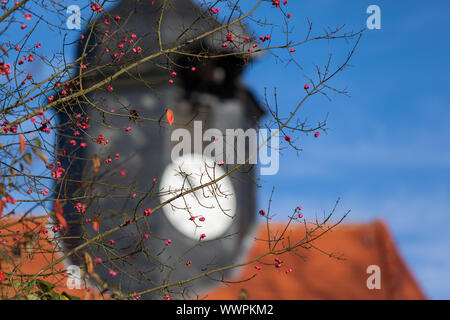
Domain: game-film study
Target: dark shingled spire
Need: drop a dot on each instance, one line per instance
(182, 21)
(213, 94)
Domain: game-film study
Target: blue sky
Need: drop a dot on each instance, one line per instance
(386, 153)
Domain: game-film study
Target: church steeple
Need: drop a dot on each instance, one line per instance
(137, 28)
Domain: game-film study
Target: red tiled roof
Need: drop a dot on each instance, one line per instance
(317, 276)
(314, 274)
(14, 236)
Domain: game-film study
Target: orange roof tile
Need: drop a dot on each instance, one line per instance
(14, 258)
(314, 274)
(317, 276)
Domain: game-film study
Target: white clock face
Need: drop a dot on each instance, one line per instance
(208, 211)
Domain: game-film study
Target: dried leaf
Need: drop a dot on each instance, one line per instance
(96, 162)
(58, 209)
(27, 158)
(95, 224)
(2, 190)
(22, 143)
(243, 295)
(41, 155)
(169, 116)
(30, 246)
(12, 169)
(89, 264)
(37, 142)
(4, 50)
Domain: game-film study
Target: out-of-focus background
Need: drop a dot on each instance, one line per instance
(386, 153)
